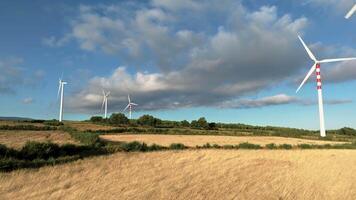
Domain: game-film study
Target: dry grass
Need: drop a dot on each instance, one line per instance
(83, 126)
(199, 174)
(16, 139)
(14, 123)
(193, 140)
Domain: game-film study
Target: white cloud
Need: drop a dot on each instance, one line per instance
(247, 52)
(27, 100)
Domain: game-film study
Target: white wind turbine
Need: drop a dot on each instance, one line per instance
(349, 14)
(61, 90)
(105, 103)
(129, 106)
(316, 67)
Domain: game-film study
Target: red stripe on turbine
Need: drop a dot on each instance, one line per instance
(318, 80)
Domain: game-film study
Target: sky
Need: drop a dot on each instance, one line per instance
(233, 61)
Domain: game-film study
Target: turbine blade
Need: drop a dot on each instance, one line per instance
(59, 88)
(336, 60)
(107, 94)
(351, 12)
(104, 92)
(134, 104)
(128, 97)
(128, 105)
(307, 77)
(311, 55)
(102, 105)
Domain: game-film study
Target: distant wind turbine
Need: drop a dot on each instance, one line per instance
(349, 14)
(129, 106)
(60, 91)
(316, 67)
(105, 103)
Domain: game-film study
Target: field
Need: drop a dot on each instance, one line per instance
(193, 140)
(83, 126)
(16, 139)
(199, 174)
(91, 172)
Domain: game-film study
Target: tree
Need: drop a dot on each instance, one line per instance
(202, 123)
(118, 119)
(148, 120)
(96, 119)
(185, 123)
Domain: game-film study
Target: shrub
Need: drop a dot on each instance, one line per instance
(37, 150)
(86, 138)
(305, 146)
(285, 146)
(228, 146)
(134, 146)
(155, 147)
(96, 119)
(118, 119)
(271, 146)
(27, 127)
(185, 123)
(148, 120)
(177, 146)
(6, 152)
(53, 122)
(247, 145)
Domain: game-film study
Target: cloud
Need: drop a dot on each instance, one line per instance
(280, 99)
(241, 53)
(27, 100)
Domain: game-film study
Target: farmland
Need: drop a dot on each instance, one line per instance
(194, 140)
(199, 174)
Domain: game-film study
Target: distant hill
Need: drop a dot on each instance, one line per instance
(15, 118)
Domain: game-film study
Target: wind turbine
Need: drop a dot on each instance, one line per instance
(129, 106)
(61, 90)
(349, 14)
(105, 103)
(316, 67)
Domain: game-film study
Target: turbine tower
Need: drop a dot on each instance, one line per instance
(316, 67)
(61, 91)
(349, 14)
(105, 103)
(129, 106)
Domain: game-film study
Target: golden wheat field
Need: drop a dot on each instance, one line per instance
(17, 138)
(83, 126)
(192, 174)
(193, 140)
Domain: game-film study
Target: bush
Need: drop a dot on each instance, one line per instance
(177, 146)
(37, 150)
(156, 147)
(27, 127)
(247, 145)
(271, 146)
(148, 120)
(118, 119)
(185, 123)
(6, 152)
(228, 146)
(134, 146)
(201, 123)
(305, 146)
(285, 146)
(86, 138)
(96, 119)
(53, 122)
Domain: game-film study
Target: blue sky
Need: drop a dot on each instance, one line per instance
(230, 61)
